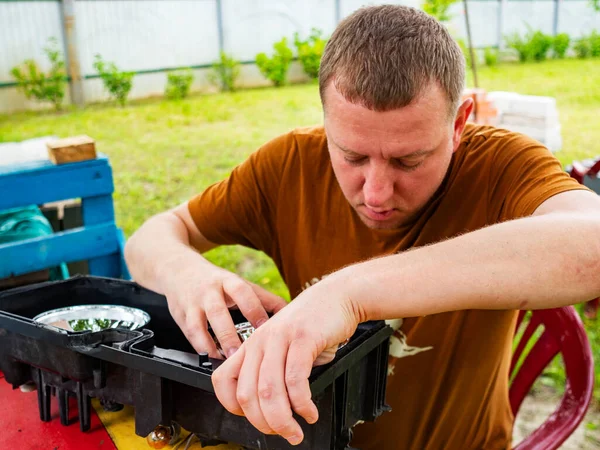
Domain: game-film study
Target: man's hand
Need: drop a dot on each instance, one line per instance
(197, 291)
(199, 296)
(267, 379)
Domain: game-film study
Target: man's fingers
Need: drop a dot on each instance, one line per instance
(271, 302)
(221, 322)
(298, 366)
(194, 327)
(272, 393)
(247, 394)
(225, 382)
(247, 301)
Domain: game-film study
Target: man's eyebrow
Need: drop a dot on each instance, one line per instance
(414, 154)
(342, 148)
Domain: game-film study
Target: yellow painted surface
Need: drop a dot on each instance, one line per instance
(121, 427)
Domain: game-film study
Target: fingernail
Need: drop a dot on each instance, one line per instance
(295, 439)
(231, 351)
(260, 322)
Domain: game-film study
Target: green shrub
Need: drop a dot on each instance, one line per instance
(225, 72)
(117, 83)
(533, 46)
(43, 86)
(179, 83)
(276, 67)
(490, 56)
(516, 42)
(310, 51)
(594, 40)
(582, 47)
(438, 9)
(560, 45)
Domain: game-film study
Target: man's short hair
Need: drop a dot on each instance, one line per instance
(383, 57)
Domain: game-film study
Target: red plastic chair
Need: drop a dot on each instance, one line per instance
(563, 333)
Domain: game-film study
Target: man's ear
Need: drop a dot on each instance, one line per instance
(462, 115)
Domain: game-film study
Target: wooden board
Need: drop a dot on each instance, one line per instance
(71, 149)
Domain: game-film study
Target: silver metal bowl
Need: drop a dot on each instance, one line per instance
(94, 318)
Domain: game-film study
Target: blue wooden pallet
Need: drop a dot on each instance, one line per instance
(99, 240)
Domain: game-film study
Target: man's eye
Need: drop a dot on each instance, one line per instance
(407, 165)
(355, 161)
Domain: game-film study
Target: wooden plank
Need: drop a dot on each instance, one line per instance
(45, 164)
(49, 183)
(97, 209)
(71, 149)
(30, 255)
(106, 266)
(22, 280)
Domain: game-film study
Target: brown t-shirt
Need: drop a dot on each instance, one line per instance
(448, 373)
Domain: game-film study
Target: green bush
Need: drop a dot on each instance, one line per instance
(276, 67)
(533, 46)
(225, 72)
(438, 9)
(310, 51)
(594, 40)
(560, 45)
(43, 86)
(117, 83)
(179, 83)
(540, 44)
(490, 56)
(582, 47)
(516, 42)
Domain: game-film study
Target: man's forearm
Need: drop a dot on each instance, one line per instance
(161, 245)
(537, 262)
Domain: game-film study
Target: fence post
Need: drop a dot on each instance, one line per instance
(72, 57)
(501, 13)
(220, 32)
(555, 22)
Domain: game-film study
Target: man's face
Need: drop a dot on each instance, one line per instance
(389, 164)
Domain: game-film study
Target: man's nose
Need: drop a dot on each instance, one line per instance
(379, 186)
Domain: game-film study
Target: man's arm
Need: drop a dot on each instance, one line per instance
(165, 255)
(548, 260)
(163, 244)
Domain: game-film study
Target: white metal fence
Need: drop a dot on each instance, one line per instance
(151, 36)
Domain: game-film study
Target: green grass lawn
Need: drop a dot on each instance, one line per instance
(164, 152)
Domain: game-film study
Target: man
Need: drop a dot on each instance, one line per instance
(403, 212)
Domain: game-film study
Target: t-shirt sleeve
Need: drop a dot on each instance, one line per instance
(523, 174)
(241, 208)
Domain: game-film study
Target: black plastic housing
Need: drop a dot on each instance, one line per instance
(157, 372)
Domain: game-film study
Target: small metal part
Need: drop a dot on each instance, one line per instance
(207, 365)
(245, 330)
(164, 435)
(160, 437)
(202, 358)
